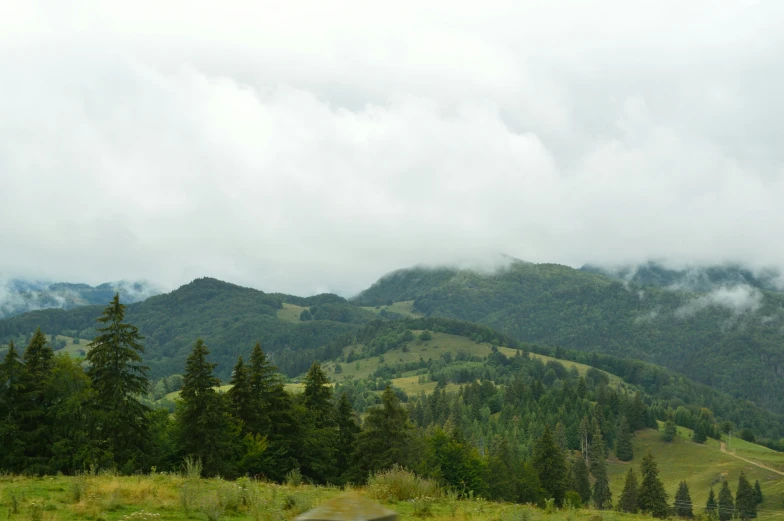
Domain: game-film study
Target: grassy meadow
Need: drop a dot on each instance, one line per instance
(175, 497)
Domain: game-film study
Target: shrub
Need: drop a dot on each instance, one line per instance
(399, 484)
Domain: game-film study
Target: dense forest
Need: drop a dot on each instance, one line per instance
(534, 432)
(730, 339)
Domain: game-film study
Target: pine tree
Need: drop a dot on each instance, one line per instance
(670, 431)
(317, 396)
(559, 436)
(623, 441)
(244, 407)
(726, 504)
(699, 435)
(745, 498)
(683, 506)
(348, 429)
(652, 497)
(384, 439)
(580, 481)
(118, 377)
(629, 497)
(711, 506)
(758, 492)
(205, 428)
(602, 497)
(263, 378)
(36, 434)
(12, 373)
(550, 464)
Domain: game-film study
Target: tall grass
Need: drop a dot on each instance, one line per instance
(399, 484)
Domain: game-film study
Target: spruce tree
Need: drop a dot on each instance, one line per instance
(385, 436)
(669, 430)
(745, 498)
(317, 396)
(758, 492)
(348, 429)
(263, 378)
(623, 441)
(36, 434)
(12, 373)
(118, 378)
(726, 505)
(711, 506)
(699, 435)
(550, 464)
(652, 497)
(683, 506)
(205, 429)
(628, 501)
(580, 481)
(602, 497)
(244, 407)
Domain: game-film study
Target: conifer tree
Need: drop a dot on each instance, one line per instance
(118, 378)
(623, 441)
(652, 497)
(669, 430)
(348, 429)
(36, 434)
(699, 435)
(580, 481)
(745, 498)
(205, 428)
(758, 492)
(726, 505)
(244, 407)
(683, 506)
(385, 436)
(559, 436)
(628, 501)
(711, 506)
(602, 497)
(317, 396)
(550, 464)
(11, 386)
(263, 379)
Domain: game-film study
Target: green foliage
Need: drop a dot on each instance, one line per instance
(683, 506)
(579, 480)
(652, 498)
(629, 500)
(726, 505)
(711, 506)
(384, 439)
(758, 492)
(623, 441)
(745, 499)
(399, 484)
(118, 377)
(601, 495)
(550, 465)
(669, 432)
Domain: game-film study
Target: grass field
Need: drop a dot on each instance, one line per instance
(405, 308)
(290, 312)
(431, 350)
(701, 466)
(173, 497)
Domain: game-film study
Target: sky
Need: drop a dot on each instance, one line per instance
(314, 146)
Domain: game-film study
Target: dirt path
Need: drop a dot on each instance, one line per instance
(723, 448)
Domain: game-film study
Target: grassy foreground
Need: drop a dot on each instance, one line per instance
(172, 497)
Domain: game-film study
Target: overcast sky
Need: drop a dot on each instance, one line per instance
(311, 146)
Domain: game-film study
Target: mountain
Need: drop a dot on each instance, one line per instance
(696, 279)
(730, 337)
(230, 318)
(19, 296)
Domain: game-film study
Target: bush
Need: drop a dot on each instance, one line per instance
(572, 499)
(399, 484)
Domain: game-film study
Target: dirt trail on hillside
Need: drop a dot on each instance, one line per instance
(723, 448)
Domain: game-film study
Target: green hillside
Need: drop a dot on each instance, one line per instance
(230, 318)
(731, 339)
(703, 467)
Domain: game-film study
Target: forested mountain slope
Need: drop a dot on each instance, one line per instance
(230, 318)
(19, 296)
(730, 338)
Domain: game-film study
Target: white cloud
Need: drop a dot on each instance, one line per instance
(306, 147)
(737, 299)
